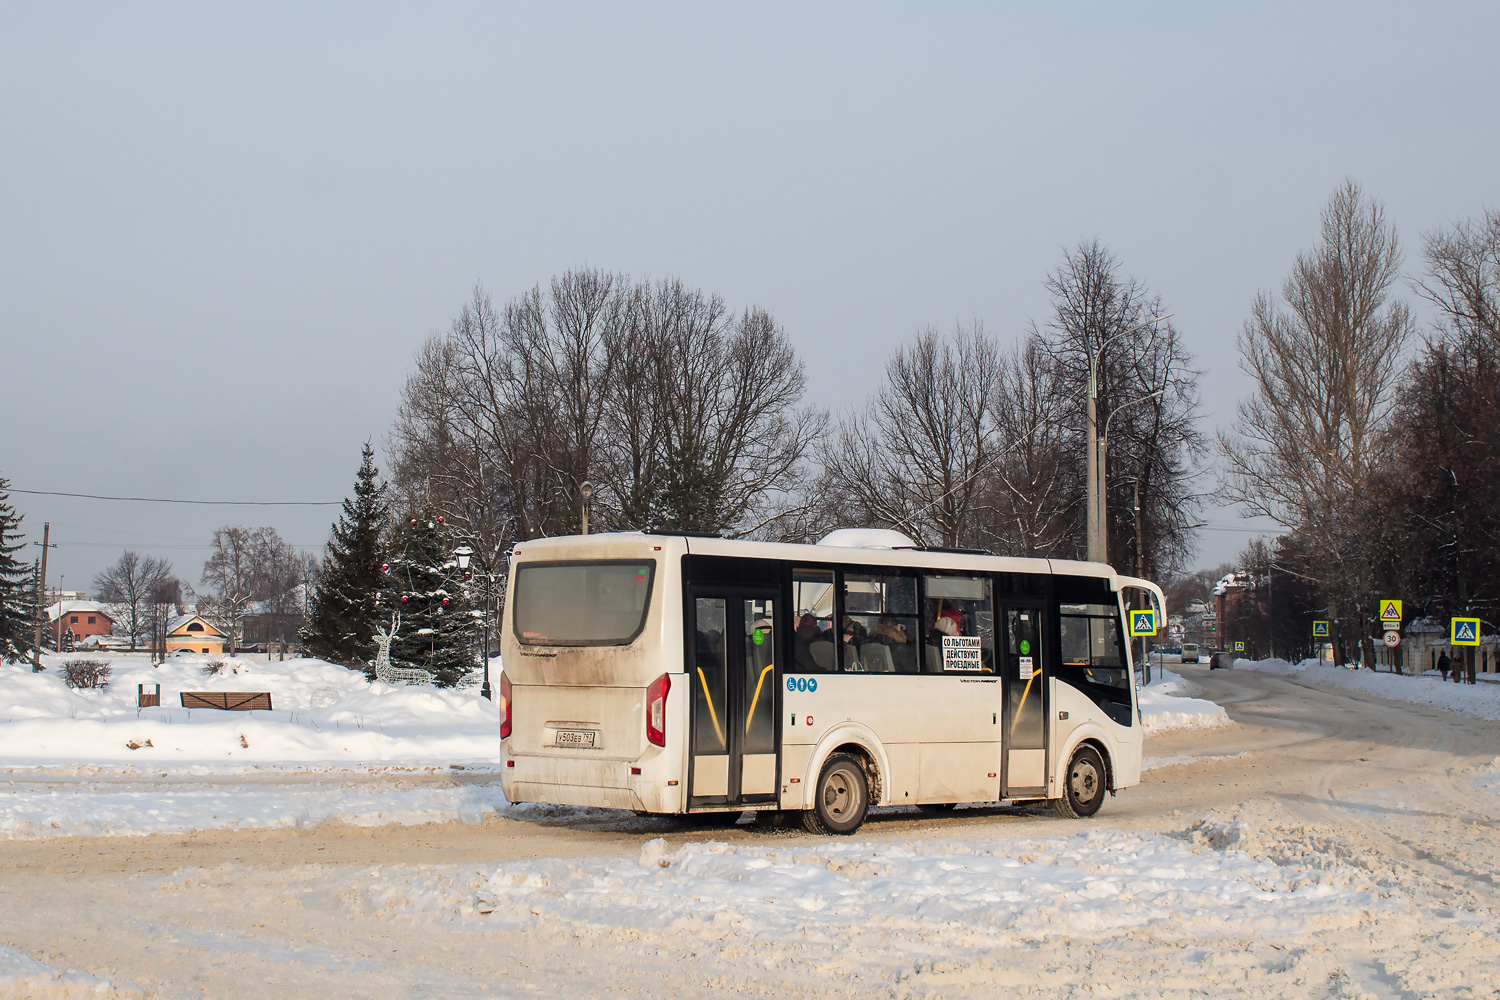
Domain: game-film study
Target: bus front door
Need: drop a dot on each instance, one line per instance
(1024, 765)
(732, 673)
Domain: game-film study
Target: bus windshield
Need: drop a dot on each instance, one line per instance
(581, 603)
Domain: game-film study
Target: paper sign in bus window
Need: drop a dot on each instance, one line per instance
(1024, 670)
(961, 652)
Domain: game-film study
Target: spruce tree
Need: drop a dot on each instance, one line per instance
(342, 616)
(424, 585)
(17, 582)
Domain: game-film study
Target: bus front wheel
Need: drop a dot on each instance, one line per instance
(1083, 785)
(841, 799)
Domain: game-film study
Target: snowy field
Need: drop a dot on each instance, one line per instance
(1480, 701)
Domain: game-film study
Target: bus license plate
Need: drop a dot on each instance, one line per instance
(575, 738)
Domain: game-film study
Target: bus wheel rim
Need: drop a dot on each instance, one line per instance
(838, 793)
(1085, 780)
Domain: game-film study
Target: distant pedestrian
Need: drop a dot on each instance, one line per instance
(1443, 665)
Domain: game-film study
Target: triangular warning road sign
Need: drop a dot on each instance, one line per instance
(1464, 631)
(1390, 611)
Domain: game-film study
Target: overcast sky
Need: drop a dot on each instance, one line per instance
(223, 232)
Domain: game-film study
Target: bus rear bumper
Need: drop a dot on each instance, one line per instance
(592, 783)
(575, 795)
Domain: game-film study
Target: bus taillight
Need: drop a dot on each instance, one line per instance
(504, 706)
(656, 710)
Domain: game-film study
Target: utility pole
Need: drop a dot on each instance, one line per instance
(41, 595)
(1098, 456)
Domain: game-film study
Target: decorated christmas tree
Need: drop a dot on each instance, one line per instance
(425, 587)
(342, 616)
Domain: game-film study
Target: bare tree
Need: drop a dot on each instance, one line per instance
(1324, 361)
(917, 457)
(680, 416)
(234, 573)
(1147, 404)
(129, 585)
(158, 610)
(1027, 505)
(1436, 500)
(1463, 267)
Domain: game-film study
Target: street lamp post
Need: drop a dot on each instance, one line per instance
(464, 554)
(1097, 445)
(1099, 495)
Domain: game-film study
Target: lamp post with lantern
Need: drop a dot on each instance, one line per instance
(464, 556)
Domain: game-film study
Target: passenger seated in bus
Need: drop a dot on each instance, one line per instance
(813, 643)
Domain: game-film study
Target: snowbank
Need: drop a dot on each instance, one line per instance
(1165, 705)
(1481, 701)
(322, 713)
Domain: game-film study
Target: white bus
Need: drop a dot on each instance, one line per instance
(665, 673)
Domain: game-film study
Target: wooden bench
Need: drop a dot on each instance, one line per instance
(228, 701)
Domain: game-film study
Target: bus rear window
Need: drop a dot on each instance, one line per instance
(581, 603)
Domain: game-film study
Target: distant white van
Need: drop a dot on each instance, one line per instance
(1189, 652)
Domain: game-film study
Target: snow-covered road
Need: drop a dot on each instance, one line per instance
(1332, 844)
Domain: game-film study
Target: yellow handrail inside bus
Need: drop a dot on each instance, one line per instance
(1017, 719)
(711, 713)
(751, 714)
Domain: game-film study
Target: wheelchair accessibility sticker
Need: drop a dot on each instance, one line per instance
(801, 683)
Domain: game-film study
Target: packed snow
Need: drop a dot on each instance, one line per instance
(21, 976)
(1480, 701)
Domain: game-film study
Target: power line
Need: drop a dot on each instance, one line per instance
(205, 503)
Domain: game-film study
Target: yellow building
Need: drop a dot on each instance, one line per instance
(192, 634)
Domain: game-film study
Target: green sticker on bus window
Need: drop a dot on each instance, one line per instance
(1025, 647)
(758, 636)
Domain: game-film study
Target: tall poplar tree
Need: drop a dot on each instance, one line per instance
(342, 616)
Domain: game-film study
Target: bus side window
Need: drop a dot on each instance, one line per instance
(879, 625)
(812, 621)
(958, 625)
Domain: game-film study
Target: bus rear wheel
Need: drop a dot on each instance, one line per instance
(1083, 785)
(841, 799)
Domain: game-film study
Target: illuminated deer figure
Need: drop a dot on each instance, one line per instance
(384, 671)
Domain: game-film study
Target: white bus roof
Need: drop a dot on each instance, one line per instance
(837, 554)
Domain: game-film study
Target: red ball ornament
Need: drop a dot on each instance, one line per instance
(440, 520)
(385, 567)
(445, 602)
(404, 600)
(413, 522)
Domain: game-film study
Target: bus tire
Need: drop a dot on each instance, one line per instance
(841, 799)
(1083, 785)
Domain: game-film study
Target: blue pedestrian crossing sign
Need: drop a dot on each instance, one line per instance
(1320, 630)
(1239, 647)
(1464, 632)
(1142, 623)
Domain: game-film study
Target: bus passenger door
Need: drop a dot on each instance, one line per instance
(1024, 681)
(732, 674)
